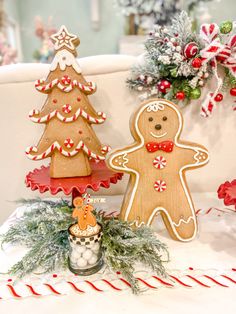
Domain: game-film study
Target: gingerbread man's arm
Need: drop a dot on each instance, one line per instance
(194, 154)
(122, 159)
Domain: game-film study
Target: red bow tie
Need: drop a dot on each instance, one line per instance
(166, 146)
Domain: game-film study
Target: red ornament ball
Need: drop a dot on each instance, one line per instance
(190, 50)
(180, 95)
(219, 97)
(196, 63)
(233, 91)
(163, 85)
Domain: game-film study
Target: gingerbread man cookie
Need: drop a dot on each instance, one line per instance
(83, 214)
(157, 162)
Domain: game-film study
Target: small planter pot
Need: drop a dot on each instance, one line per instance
(85, 256)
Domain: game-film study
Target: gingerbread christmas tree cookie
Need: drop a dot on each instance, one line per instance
(68, 139)
(157, 163)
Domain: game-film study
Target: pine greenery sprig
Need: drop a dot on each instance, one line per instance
(43, 229)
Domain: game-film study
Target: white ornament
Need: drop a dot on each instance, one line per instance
(96, 247)
(140, 88)
(142, 77)
(93, 259)
(81, 262)
(206, 75)
(87, 254)
(80, 248)
(201, 83)
(65, 58)
(74, 256)
(149, 79)
(172, 40)
(178, 48)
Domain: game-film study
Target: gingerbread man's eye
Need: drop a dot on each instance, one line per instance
(164, 118)
(150, 119)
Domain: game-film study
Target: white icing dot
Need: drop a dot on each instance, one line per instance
(116, 160)
(87, 254)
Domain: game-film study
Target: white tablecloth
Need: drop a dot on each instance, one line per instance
(212, 252)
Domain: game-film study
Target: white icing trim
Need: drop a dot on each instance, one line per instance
(157, 136)
(65, 58)
(163, 102)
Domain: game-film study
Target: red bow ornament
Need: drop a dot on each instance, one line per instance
(215, 51)
(166, 146)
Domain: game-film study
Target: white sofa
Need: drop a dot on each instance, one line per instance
(18, 97)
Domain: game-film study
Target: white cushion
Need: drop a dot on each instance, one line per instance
(18, 97)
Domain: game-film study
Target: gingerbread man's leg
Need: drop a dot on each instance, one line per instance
(179, 215)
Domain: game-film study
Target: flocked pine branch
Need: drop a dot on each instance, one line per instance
(43, 229)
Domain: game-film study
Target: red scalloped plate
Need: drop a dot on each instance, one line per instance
(39, 179)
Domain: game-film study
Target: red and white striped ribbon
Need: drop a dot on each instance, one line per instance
(215, 52)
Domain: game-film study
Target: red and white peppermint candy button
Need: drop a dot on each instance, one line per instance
(160, 186)
(159, 162)
(66, 108)
(66, 80)
(69, 143)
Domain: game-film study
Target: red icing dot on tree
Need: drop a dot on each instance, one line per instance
(54, 275)
(78, 99)
(54, 101)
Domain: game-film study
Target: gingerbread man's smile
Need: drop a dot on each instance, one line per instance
(158, 127)
(158, 136)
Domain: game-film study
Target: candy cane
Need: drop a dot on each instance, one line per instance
(57, 146)
(79, 112)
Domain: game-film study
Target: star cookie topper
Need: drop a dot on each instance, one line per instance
(63, 39)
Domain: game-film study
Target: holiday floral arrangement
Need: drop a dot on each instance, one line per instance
(8, 55)
(178, 63)
(43, 228)
(44, 31)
